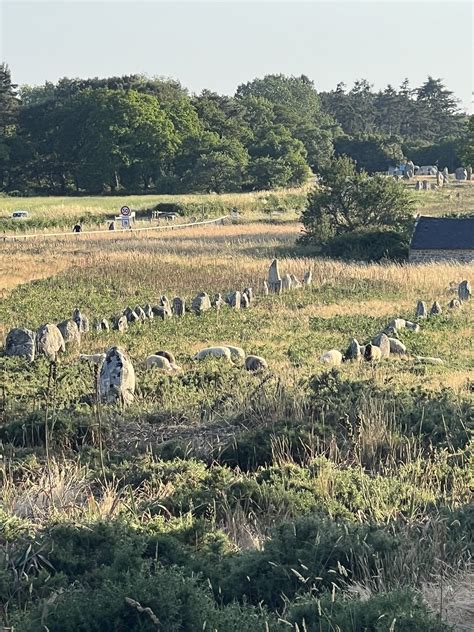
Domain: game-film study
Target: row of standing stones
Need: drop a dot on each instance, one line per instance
(387, 342)
(117, 375)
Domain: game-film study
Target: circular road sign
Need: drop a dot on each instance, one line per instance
(125, 211)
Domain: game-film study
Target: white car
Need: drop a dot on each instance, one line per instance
(20, 215)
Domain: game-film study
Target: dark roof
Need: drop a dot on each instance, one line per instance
(443, 233)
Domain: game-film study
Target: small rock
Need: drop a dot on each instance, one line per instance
(148, 311)
(244, 301)
(120, 323)
(81, 321)
(131, 315)
(397, 347)
(215, 352)
(372, 353)
(308, 278)
(218, 301)
(333, 356)
(353, 351)
(234, 299)
(286, 282)
(140, 312)
(265, 288)
(255, 363)
(159, 311)
(464, 291)
(428, 360)
(454, 304)
(436, 309)
(248, 293)
(178, 306)
(412, 326)
(201, 303)
(397, 323)
(382, 341)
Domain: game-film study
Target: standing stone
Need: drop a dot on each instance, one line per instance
(436, 309)
(81, 321)
(426, 185)
(446, 175)
(308, 278)
(397, 324)
(178, 307)
(295, 283)
(234, 299)
(49, 341)
(217, 301)
(104, 325)
(286, 282)
(265, 288)
(70, 332)
(21, 343)
(164, 302)
(464, 291)
(120, 323)
(421, 310)
(131, 315)
(274, 278)
(439, 178)
(201, 303)
(248, 293)
(382, 341)
(244, 301)
(469, 173)
(412, 326)
(148, 311)
(397, 347)
(161, 312)
(409, 169)
(460, 173)
(140, 313)
(418, 185)
(454, 303)
(117, 378)
(353, 351)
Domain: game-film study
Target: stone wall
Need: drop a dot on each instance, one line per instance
(424, 256)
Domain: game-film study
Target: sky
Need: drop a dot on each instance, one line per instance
(219, 45)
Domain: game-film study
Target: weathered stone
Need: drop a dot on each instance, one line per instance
(131, 315)
(436, 309)
(426, 185)
(217, 301)
(234, 299)
(286, 282)
(397, 347)
(274, 278)
(70, 332)
(244, 301)
(49, 341)
(255, 363)
(237, 353)
(295, 283)
(201, 303)
(469, 173)
(412, 326)
(464, 291)
(353, 351)
(397, 324)
(439, 178)
(428, 360)
(148, 311)
(178, 307)
(418, 185)
(421, 310)
(104, 325)
(21, 343)
(117, 378)
(161, 312)
(460, 173)
(333, 356)
(120, 323)
(372, 353)
(446, 175)
(454, 303)
(139, 311)
(249, 293)
(81, 321)
(383, 343)
(165, 302)
(308, 278)
(214, 352)
(265, 288)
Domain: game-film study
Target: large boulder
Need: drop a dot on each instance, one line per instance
(70, 332)
(21, 343)
(354, 351)
(81, 321)
(460, 173)
(117, 378)
(214, 352)
(397, 347)
(49, 341)
(201, 303)
(333, 356)
(159, 311)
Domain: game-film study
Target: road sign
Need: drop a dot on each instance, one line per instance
(125, 222)
(125, 211)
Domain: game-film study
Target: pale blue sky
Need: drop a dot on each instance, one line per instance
(218, 45)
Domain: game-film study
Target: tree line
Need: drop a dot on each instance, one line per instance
(138, 134)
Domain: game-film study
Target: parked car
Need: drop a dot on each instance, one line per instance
(20, 215)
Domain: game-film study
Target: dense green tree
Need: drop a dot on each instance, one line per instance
(347, 201)
(9, 106)
(466, 143)
(371, 153)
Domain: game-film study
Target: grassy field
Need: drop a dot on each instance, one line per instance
(303, 498)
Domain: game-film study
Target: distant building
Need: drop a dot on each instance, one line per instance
(443, 239)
